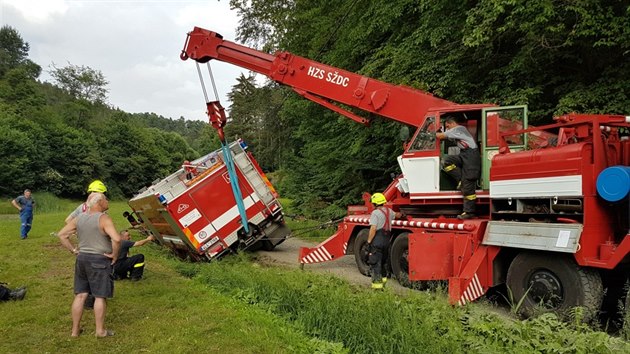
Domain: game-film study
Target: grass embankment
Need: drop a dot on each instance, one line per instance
(240, 306)
(163, 313)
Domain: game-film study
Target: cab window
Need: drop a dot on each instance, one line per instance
(425, 137)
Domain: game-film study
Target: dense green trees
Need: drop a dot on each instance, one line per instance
(58, 138)
(557, 57)
(81, 82)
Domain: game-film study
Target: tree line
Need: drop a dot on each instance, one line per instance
(555, 56)
(57, 137)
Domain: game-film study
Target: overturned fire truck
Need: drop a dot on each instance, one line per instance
(552, 203)
(196, 213)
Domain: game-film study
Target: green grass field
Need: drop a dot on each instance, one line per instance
(164, 313)
(239, 305)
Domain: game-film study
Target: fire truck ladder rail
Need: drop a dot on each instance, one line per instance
(236, 190)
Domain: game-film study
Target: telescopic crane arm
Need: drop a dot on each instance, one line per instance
(318, 82)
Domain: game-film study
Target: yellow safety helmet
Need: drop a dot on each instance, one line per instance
(378, 199)
(97, 186)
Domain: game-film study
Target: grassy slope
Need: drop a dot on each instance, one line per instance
(163, 313)
(240, 306)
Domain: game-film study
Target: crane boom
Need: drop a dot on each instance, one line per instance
(323, 84)
(552, 202)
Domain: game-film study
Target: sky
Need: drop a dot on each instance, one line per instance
(134, 43)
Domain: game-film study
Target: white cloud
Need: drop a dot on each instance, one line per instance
(38, 10)
(135, 44)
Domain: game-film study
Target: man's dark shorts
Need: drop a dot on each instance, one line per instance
(93, 274)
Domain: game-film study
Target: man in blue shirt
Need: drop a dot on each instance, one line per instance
(25, 204)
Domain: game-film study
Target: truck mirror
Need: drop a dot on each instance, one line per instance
(404, 133)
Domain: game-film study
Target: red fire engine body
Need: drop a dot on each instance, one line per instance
(552, 201)
(194, 213)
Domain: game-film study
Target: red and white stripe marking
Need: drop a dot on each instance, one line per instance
(320, 254)
(406, 223)
(472, 292)
(317, 255)
(217, 109)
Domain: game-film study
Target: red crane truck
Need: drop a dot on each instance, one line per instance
(194, 212)
(552, 201)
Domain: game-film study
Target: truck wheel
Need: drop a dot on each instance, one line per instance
(361, 252)
(398, 258)
(542, 283)
(267, 245)
(181, 254)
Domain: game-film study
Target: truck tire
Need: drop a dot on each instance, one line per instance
(267, 245)
(545, 282)
(398, 258)
(361, 252)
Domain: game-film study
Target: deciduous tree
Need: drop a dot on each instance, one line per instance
(82, 82)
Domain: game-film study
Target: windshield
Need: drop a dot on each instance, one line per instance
(425, 138)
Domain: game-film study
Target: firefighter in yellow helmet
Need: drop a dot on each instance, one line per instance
(379, 239)
(96, 186)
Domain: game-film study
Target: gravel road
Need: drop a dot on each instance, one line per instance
(286, 254)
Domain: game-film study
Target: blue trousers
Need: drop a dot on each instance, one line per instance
(26, 217)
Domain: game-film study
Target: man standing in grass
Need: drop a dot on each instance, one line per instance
(95, 187)
(25, 204)
(99, 246)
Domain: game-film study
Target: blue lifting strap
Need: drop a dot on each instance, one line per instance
(236, 190)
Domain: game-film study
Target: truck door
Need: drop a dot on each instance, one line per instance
(495, 121)
(420, 163)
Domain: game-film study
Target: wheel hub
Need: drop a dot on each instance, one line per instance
(545, 288)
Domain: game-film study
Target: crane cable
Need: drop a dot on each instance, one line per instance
(227, 154)
(226, 151)
(236, 189)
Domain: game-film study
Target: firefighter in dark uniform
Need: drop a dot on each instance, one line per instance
(379, 238)
(465, 168)
(130, 267)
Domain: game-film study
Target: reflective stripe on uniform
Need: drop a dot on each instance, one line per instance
(449, 168)
(471, 197)
(138, 265)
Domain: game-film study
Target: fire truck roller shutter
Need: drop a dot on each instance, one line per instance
(613, 183)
